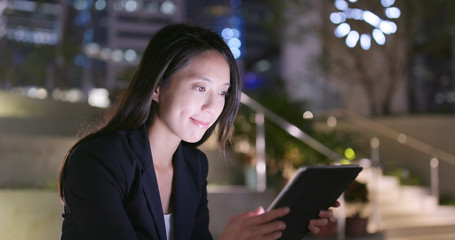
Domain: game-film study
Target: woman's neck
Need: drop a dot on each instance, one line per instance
(162, 144)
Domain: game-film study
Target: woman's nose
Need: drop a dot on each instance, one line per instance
(211, 103)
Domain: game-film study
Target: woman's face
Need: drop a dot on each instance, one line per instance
(194, 98)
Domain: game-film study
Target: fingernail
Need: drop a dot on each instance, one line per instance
(286, 210)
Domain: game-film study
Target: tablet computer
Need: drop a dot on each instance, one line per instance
(313, 188)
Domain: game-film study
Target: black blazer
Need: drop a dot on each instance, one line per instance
(111, 191)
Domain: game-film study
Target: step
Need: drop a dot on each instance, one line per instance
(442, 232)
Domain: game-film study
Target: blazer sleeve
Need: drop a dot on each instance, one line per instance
(94, 190)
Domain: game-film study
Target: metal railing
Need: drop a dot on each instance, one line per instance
(262, 113)
(434, 154)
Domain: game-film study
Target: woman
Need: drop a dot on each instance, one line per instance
(139, 176)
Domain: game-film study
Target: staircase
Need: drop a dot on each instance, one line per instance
(409, 212)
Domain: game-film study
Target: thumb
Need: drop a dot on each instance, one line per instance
(260, 210)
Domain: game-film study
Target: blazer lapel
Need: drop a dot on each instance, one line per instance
(153, 199)
(141, 146)
(185, 195)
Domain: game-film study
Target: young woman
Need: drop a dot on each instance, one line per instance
(139, 175)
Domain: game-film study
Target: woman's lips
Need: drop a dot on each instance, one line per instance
(201, 124)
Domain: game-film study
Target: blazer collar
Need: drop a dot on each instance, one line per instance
(139, 142)
(185, 191)
(184, 186)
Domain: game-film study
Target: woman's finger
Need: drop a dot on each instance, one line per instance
(326, 213)
(268, 216)
(319, 222)
(313, 229)
(268, 228)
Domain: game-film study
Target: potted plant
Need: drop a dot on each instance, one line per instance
(356, 197)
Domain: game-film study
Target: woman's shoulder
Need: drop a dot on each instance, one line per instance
(103, 142)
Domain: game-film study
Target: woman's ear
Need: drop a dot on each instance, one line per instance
(156, 94)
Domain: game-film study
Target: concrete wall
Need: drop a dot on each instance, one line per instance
(29, 214)
(36, 214)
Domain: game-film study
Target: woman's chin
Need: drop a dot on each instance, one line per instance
(193, 139)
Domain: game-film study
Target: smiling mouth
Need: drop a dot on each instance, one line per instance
(201, 124)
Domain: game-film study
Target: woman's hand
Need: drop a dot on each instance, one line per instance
(255, 225)
(324, 215)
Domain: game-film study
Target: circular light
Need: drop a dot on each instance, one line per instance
(100, 5)
(349, 154)
(337, 18)
(168, 8)
(388, 27)
(342, 30)
(331, 121)
(374, 143)
(393, 12)
(357, 14)
(130, 55)
(307, 115)
(236, 33)
(387, 3)
(236, 52)
(378, 36)
(131, 6)
(365, 41)
(402, 138)
(227, 33)
(92, 49)
(117, 55)
(234, 43)
(341, 5)
(352, 38)
(434, 162)
(371, 18)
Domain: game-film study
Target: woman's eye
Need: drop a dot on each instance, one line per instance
(200, 88)
(223, 93)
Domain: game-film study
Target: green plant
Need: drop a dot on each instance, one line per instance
(284, 153)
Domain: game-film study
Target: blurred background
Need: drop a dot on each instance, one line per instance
(369, 82)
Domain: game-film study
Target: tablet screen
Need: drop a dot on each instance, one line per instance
(313, 188)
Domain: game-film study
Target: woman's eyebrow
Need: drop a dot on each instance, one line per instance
(206, 79)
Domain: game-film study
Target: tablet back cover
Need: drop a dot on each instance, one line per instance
(313, 188)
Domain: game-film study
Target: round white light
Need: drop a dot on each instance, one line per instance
(352, 38)
(393, 12)
(371, 18)
(337, 18)
(365, 41)
(341, 5)
(130, 55)
(168, 8)
(378, 36)
(131, 6)
(236, 52)
(342, 30)
(227, 33)
(388, 27)
(117, 55)
(234, 43)
(100, 5)
(387, 3)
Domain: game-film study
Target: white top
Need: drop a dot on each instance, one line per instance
(169, 224)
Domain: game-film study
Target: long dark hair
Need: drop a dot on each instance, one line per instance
(168, 51)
